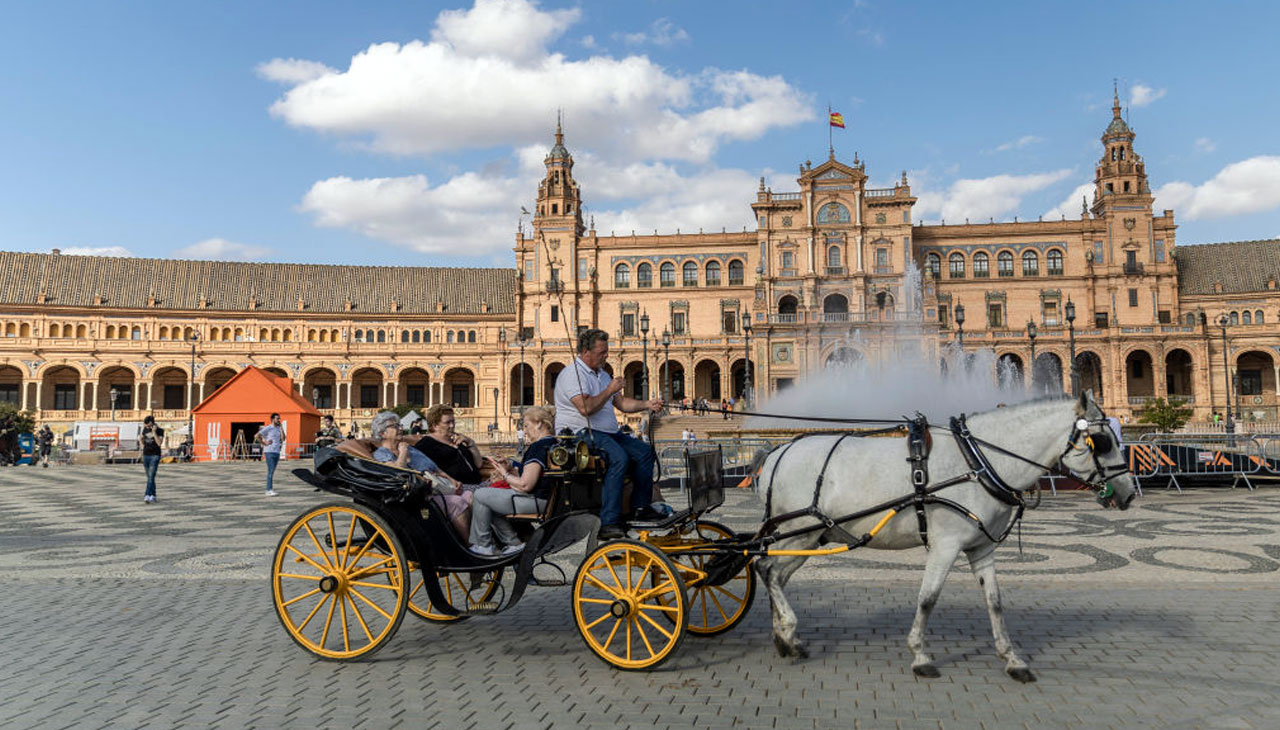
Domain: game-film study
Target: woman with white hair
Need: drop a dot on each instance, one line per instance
(388, 447)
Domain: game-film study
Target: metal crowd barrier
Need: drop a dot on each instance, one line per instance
(736, 454)
(1171, 457)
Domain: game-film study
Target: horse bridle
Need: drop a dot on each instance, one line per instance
(1097, 442)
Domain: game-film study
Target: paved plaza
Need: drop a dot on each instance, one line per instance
(124, 615)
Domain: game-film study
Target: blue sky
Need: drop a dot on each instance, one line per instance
(411, 133)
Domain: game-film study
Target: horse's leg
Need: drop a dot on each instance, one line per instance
(937, 565)
(983, 563)
(775, 572)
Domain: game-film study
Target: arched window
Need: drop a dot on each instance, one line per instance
(1189, 318)
(426, 336)
(404, 335)
(1257, 317)
(955, 265)
(1054, 260)
(164, 333)
(1030, 264)
(382, 335)
(735, 273)
(622, 276)
(787, 305)
(417, 336)
(313, 336)
(1246, 317)
(1235, 318)
(135, 333)
(471, 336)
(667, 274)
(449, 336)
(981, 266)
(239, 336)
(1004, 264)
(933, 265)
(713, 273)
(689, 273)
(82, 331)
(55, 330)
(833, 257)
(644, 276)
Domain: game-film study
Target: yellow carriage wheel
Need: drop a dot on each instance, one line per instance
(339, 580)
(629, 604)
(457, 588)
(714, 609)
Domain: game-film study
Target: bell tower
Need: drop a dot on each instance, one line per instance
(1121, 178)
(559, 199)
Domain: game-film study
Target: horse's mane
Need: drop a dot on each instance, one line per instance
(1044, 399)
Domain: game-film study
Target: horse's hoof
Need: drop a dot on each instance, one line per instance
(1022, 674)
(788, 650)
(927, 671)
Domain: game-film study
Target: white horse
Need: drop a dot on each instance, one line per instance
(861, 473)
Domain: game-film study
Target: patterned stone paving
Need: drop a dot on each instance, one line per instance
(123, 615)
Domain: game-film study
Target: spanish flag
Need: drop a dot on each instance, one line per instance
(837, 119)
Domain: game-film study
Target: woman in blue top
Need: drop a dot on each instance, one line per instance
(490, 505)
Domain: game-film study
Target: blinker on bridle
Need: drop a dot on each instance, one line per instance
(1096, 443)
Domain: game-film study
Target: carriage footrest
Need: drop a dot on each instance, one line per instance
(480, 608)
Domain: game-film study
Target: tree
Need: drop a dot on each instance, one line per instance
(402, 409)
(1167, 416)
(11, 417)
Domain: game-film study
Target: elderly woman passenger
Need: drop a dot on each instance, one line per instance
(457, 455)
(527, 494)
(388, 446)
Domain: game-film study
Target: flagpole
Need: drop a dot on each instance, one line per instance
(831, 147)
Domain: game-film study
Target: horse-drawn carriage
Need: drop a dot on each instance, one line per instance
(345, 573)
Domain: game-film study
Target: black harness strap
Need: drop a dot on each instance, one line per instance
(977, 461)
(918, 455)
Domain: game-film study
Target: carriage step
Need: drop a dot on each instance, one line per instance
(547, 582)
(480, 608)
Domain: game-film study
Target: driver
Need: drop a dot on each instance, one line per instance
(584, 394)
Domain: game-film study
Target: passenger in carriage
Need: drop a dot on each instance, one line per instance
(526, 493)
(388, 446)
(456, 454)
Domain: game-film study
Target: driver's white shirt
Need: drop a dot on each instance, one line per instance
(575, 380)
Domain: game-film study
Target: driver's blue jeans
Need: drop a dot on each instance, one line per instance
(623, 452)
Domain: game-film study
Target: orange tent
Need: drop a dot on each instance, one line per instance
(231, 416)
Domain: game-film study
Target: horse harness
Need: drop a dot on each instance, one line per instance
(919, 445)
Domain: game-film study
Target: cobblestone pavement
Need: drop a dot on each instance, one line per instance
(123, 615)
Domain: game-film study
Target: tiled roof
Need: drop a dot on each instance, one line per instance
(229, 286)
(1240, 266)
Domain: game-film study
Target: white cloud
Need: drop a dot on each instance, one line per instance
(97, 251)
(511, 29)
(1070, 208)
(989, 197)
(1142, 95)
(588, 41)
(1248, 186)
(661, 33)
(492, 84)
(1019, 143)
(220, 249)
(1206, 145)
(292, 70)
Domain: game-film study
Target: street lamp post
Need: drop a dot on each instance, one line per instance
(1031, 335)
(520, 340)
(1226, 378)
(115, 394)
(1071, 330)
(191, 390)
(960, 324)
(644, 357)
(495, 410)
(666, 363)
(746, 373)
(502, 344)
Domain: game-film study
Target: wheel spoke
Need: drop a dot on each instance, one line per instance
(360, 554)
(605, 601)
(612, 633)
(311, 615)
(366, 584)
(295, 575)
(658, 607)
(308, 594)
(656, 590)
(718, 607)
(727, 593)
(342, 608)
(643, 573)
(372, 605)
(644, 637)
(351, 533)
(360, 618)
(369, 570)
(328, 621)
(307, 558)
(324, 555)
(629, 622)
(701, 598)
(655, 625)
(604, 616)
(601, 585)
(333, 538)
(609, 564)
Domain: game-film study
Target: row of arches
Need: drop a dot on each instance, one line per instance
(881, 303)
(66, 330)
(959, 266)
(707, 380)
(689, 274)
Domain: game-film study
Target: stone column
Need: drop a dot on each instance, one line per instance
(84, 395)
(39, 404)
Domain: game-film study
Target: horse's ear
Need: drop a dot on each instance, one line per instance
(1082, 405)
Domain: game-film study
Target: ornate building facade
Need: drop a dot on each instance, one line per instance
(834, 273)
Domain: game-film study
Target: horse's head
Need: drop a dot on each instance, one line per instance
(1094, 455)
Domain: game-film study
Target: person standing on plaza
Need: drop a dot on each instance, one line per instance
(587, 395)
(44, 444)
(329, 434)
(271, 437)
(152, 441)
